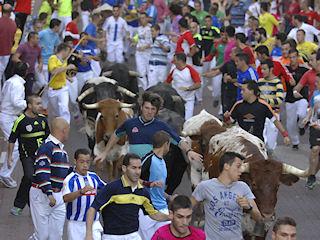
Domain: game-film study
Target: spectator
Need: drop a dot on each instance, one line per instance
(217, 15)
(30, 129)
(7, 33)
(151, 11)
(157, 69)
(230, 30)
(163, 12)
(120, 217)
(199, 13)
(312, 17)
(48, 209)
(284, 228)
(236, 15)
(253, 25)
(64, 12)
(285, 59)
(179, 228)
(46, 8)
(276, 52)
(13, 103)
(240, 200)
(185, 79)
(30, 53)
(263, 40)
(241, 40)
(81, 186)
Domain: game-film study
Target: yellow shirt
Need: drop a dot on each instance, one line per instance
(17, 38)
(60, 80)
(267, 21)
(46, 8)
(269, 43)
(307, 48)
(65, 8)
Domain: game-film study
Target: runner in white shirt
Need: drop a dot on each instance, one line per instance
(185, 79)
(310, 30)
(79, 190)
(143, 49)
(12, 105)
(116, 30)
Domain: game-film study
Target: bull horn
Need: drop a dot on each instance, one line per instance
(134, 74)
(176, 98)
(245, 168)
(91, 106)
(109, 80)
(107, 73)
(85, 93)
(289, 169)
(127, 105)
(126, 91)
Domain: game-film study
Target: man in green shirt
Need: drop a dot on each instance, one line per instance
(198, 12)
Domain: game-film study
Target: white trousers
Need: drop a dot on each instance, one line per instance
(77, 230)
(199, 92)
(95, 65)
(47, 221)
(294, 111)
(42, 80)
(148, 226)
(270, 134)
(115, 51)
(156, 74)
(6, 124)
(142, 63)
(3, 64)
(216, 87)
(189, 106)
(131, 236)
(59, 103)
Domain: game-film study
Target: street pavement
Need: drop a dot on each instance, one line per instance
(295, 201)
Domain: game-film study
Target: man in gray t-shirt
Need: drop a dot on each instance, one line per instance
(225, 199)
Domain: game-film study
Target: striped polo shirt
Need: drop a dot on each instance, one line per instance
(51, 166)
(271, 91)
(77, 209)
(158, 56)
(119, 205)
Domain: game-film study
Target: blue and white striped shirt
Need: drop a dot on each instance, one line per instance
(77, 209)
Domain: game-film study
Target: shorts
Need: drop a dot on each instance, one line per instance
(314, 137)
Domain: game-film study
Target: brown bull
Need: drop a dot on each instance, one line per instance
(111, 116)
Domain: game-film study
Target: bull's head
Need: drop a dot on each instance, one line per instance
(264, 177)
(112, 116)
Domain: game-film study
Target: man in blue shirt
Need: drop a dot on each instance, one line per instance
(154, 170)
(141, 129)
(245, 72)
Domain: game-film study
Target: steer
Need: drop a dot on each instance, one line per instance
(262, 174)
(112, 113)
(95, 90)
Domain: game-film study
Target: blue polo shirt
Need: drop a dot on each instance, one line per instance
(154, 169)
(87, 51)
(48, 40)
(249, 74)
(140, 134)
(119, 205)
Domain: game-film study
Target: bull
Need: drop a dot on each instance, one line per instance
(262, 174)
(171, 99)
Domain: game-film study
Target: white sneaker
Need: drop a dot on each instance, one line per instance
(8, 182)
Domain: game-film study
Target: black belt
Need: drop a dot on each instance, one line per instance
(157, 63)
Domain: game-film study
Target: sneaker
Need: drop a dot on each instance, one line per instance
(302, 131)
(16, 211)
(8, 182)
(295, 147)
(311, 182)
